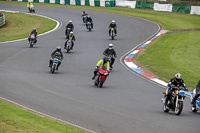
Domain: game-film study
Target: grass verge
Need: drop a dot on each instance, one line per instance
(15, 119)
(19, 25)
(168, 20)
(172, 53)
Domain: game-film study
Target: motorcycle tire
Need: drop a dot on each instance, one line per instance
(89, 29)
(112, 37)
(31, 44)
(101, 82)
(68, 49)
(194, 109)
(180, 108)
(53, 68)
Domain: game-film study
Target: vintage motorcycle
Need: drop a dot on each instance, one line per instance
(175, 103)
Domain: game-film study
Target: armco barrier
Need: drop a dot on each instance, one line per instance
(2, 20)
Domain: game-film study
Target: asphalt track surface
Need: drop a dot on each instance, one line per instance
(126, 104)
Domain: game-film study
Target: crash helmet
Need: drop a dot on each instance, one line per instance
(178, 77)
(105, 59)
(34, 29)
(84, 12)
(110, 46)
(71, 33)
(113, 21)
(70, 21)
(58, 48)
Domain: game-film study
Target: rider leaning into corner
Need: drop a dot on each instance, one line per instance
(57, 53)
(72, 38)
(33, 32)
(176, 81)
(113, 25)
(102, 62)
(197, 94)
(110, 52)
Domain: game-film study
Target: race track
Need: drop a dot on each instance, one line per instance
(126, 104)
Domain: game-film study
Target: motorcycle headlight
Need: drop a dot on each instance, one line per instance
(101, 73)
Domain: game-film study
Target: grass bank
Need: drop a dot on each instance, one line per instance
(172, 53)
(14, 119)
(19, 25)
(169, 21)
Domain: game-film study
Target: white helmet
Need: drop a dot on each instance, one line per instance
(113, 21)
(110, 45)
(70, 21)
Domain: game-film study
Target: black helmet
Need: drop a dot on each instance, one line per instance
(34, 29)
(83, 11)
(105, 59)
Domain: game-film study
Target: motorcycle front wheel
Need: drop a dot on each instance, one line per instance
(101, 82)
(179, 109)
(53, 68)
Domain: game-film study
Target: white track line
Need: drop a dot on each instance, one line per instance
(37, 112)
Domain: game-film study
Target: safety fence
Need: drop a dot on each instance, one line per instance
(98, 3)
(2, 19)
(160, 7)
(130, 4)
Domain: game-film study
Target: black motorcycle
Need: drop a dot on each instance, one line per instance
(175, 103)
(32, 40)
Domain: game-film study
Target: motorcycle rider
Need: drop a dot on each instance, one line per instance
(33, 32)
(176, 81)
(89, 19)
(72, 38)
(102, 62)
(29, 5)
(197, 95)
(110, 52)
(113, 25)
(57, 53)
(69, 25)
(84, 14)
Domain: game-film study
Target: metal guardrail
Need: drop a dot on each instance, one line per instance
(2, 20)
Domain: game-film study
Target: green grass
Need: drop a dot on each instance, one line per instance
(15, 119)
(169, 21)
(19, 26)
(172, 53)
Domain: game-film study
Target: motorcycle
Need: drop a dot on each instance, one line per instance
(32, 40)
(112, 33)
(176, 104)
(101, 76)
(110, 59)
(69, 45)
(89, 26)
(31, 9)
(197, 102)
(84, 19)
(54, 64)
(67, 31)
